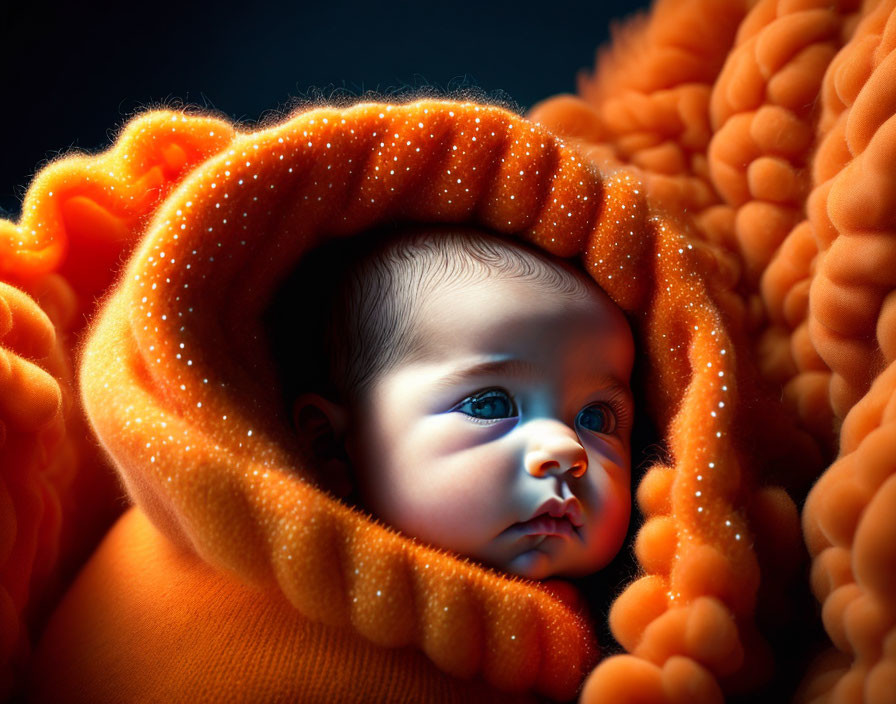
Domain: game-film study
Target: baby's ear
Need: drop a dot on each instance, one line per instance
(320, 425)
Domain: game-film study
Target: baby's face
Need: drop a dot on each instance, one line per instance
(509, 440)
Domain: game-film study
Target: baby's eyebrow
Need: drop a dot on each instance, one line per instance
(524, 369)
(511, 366)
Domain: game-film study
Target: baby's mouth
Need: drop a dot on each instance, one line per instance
(547, 525)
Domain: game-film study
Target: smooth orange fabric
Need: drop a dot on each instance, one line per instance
(158, 624)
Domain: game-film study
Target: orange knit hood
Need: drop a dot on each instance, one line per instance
(179, 386)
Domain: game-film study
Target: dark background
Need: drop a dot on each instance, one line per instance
(71, 75)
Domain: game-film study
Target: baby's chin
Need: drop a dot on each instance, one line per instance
(533, 564)
(539, 564)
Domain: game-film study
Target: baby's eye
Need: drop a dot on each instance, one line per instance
(489, 405)
(598, 417)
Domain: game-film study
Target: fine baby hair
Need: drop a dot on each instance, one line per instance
(367, 311)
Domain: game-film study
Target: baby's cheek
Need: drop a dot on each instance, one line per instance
(449, 434)
(608, 507)
(468, 494)
(607, 453)
(464, 501)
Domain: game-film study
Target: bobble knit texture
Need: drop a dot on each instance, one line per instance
(730, 176)
(770, 124)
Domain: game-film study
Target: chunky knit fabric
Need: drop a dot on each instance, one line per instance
(770, 124)
(739, 217)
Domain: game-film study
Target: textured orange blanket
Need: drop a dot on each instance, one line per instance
(769, 124)
(754, 142)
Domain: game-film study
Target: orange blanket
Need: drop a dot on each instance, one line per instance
(716, 242)
(769, 124)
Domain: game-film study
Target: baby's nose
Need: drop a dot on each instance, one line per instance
(556, 450)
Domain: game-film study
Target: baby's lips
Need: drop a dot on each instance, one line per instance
(571, 509)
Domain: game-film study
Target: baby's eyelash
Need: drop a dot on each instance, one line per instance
(616, 406)
(620, 409)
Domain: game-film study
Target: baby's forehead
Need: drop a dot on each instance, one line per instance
(513, 306)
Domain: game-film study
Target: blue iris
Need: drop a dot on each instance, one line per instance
(596, 417)
(489, 405)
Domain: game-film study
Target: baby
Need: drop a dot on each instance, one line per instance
(476, 396)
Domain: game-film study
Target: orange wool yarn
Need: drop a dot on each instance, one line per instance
(58, 494)
(772, 129)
